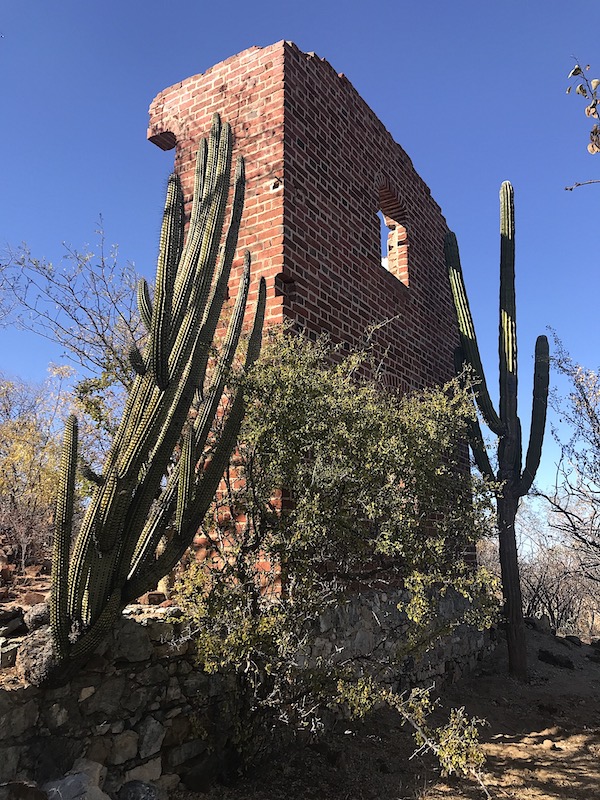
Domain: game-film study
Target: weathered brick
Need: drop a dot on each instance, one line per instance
(320, 165)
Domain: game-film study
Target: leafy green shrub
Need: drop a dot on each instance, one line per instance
(376, 492)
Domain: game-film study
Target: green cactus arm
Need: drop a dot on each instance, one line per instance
(163, 509)
(208, 408)
(183, 278)
(149, 424)
(93, 636)
(198, 198)
(94, 525)
(213, 222)
(203, 252)
(467, 333)
(186, 468)
(541, 382)
(210, 175)
(215, 303)
(508, 316)
(218, 292)
(169, 254)
(150, 573)
(475, 436)
(144, 303)
(479, 450)
(141, 417)
(63, 522)
(146, 572)
(137, 360)
(102, 557)
(204, 493)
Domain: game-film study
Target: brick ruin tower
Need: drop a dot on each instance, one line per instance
(320, 167)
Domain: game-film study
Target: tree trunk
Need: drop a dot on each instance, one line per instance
(511, 588)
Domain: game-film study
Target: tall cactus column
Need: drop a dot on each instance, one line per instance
(512, 480)
(164, 464)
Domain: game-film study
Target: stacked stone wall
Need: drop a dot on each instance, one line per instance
(142, 710)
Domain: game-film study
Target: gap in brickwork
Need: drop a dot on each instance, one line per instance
(394, 235)
(384, 233)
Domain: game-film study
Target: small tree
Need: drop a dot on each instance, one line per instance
(575, 500)
(30, 416)
(86, 304)
(375, 495)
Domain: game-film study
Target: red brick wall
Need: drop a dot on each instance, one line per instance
(319, 167)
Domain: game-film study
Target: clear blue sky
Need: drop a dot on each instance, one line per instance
(474, 90)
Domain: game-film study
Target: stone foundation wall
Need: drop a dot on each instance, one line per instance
(369, 630)
(141, 710)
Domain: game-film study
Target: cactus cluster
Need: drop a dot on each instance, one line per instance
(513, 480)
(144, 491)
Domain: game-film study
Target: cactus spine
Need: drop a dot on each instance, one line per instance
(512, 479)
(113, 559)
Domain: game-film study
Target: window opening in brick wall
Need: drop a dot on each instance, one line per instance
(394, 235)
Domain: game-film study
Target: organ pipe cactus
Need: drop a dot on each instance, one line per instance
(513, 480)
(144, 490)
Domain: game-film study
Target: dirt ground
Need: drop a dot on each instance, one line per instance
(541, 740)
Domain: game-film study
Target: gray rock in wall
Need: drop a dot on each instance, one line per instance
(124, 747)
(9, 763)
(107, 700)
(37, 616)
(152, 734)
(132, 642)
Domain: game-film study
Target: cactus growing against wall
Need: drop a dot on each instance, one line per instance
(143, 491)
(513, 481)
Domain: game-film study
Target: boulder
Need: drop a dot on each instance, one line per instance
(13, 625)
(555, 659)
(8, 653)
(37, 659)
(150, 771)
(33, 598)
(131, 642)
